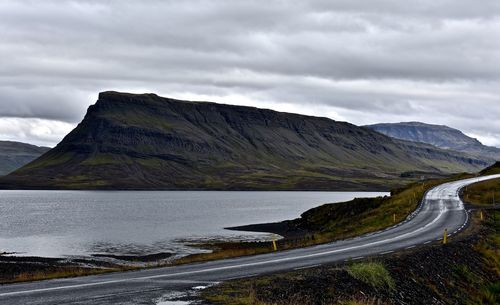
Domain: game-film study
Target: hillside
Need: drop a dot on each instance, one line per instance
(439, 136)
(143, 141)
(13, 155)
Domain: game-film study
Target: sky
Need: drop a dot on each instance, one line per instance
(434, 61)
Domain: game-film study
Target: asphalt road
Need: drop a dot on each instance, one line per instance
(440, 209)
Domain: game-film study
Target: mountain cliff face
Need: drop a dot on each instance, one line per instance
(13, 155)
(129, 141)
(439, 136)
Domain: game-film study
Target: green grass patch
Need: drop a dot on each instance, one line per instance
(372, 273)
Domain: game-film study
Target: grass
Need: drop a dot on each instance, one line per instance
(489, 248)
(372, 273)
(62, 273)
(221, 253)
(53, 271)
(483, 193)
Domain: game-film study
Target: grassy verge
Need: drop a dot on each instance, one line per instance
(60, 273)
(484, 290)
(483, 193)
(24, 269)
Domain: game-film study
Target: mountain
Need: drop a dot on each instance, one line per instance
(143, 141)
(13, 155)
(440, 136)
(448, 161)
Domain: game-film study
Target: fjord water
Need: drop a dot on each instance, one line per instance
(74, 223)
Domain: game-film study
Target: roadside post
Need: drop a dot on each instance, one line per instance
(394, 218)
(445, 236)
(274, 243)
(481, 214)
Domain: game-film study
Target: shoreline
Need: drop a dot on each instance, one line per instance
(281, 228)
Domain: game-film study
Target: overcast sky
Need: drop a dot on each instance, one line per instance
(358, 61)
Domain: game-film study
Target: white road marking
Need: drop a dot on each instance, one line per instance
(307, 267)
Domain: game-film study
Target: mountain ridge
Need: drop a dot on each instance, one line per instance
(441, 136)
(144, 141)
(14, 155)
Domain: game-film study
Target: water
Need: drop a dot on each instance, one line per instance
(75, 223)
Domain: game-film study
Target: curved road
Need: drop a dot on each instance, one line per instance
(440, 209)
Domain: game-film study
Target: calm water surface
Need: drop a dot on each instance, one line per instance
(73, 223)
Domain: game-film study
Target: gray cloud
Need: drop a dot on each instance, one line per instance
(362, 61)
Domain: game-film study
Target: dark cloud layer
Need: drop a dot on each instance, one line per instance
(361, 61)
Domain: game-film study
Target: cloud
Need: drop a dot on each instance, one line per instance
(36, 131)
(361, 61)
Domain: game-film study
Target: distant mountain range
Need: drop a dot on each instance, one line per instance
(439, 136)
(13, 155)
(143, 141)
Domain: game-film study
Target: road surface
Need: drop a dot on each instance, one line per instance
(440, 209)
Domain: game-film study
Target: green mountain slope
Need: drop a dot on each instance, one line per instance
(13, 155)
(129, 141)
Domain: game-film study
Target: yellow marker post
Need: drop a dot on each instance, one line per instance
(274, 243)
(445, 236)
(481, 215)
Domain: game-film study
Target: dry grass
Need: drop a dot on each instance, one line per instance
(63, 272)
(483, 193)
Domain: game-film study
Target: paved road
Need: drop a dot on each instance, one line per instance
(440, 209)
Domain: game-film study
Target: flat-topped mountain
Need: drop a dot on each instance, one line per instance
(143, 141)
(438, 135)
(13, 155)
